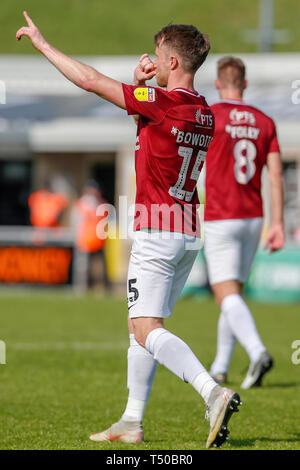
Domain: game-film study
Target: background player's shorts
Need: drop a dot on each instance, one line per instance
(158, 269)
(229, 247)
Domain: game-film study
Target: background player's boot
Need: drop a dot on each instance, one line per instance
(124, 431)
(257, 370)
(220, 378)
(221, 404)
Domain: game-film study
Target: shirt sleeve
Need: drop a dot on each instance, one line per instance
(149, 102)
(274, 145)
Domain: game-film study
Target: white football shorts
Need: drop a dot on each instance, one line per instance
(159, 265)
(229, 248)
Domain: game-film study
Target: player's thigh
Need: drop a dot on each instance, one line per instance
(151, 273)
(182, 272)
(252, 234)
(223, 249)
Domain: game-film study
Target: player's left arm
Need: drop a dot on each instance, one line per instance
(275, 238)
(80, 74)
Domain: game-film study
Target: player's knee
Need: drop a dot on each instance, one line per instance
(223, 289)
(143, 326)
(140, 338)
(138, 330)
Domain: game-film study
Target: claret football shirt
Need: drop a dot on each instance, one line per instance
(174, 132)
(243, 138)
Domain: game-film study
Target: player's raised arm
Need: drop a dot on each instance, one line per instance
(275, 238)
(82, 75)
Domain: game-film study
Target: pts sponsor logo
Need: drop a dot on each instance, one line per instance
(205, 120)
(241, 117)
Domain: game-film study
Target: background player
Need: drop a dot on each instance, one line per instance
(244, 141)
(174, 131)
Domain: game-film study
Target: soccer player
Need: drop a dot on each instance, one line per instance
(175, 128)
(244, 142)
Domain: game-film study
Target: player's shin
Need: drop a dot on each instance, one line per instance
(141, 369)
(243, 326)
(175, 354)
(225, 345)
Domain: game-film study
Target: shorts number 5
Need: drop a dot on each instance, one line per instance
(133, 293)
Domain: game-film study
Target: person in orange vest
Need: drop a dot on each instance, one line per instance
(46, 207)
(84, 221)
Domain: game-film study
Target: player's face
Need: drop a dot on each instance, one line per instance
(162, 65)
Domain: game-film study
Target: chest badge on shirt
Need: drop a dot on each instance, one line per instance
(145, 94)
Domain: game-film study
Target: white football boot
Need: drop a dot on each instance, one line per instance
(257, 370)
(222, 403)
(122, 431)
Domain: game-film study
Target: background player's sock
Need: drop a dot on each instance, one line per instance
(225, 346)
(175, 354)
(141, 368)
(242, 325)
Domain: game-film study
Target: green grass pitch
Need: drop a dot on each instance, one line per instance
(65, 377)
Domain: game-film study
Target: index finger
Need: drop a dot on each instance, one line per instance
(144, 56)
(28, 19)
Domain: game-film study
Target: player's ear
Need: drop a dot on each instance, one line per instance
(217, 84)
(174, 62)
(245, 84)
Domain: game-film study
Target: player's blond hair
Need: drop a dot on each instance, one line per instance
(231, 72)
(191, 45)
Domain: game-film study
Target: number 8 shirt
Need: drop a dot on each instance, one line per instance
(243, 138)
(174, 131)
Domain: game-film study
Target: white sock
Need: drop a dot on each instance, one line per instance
(242, 325)
(225, 346)
(141, 369)
(135, 410)
(204, 385)
(173, 353)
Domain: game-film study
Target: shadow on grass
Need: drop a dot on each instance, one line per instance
(251, 442)
(282, 385)
(235, 385)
